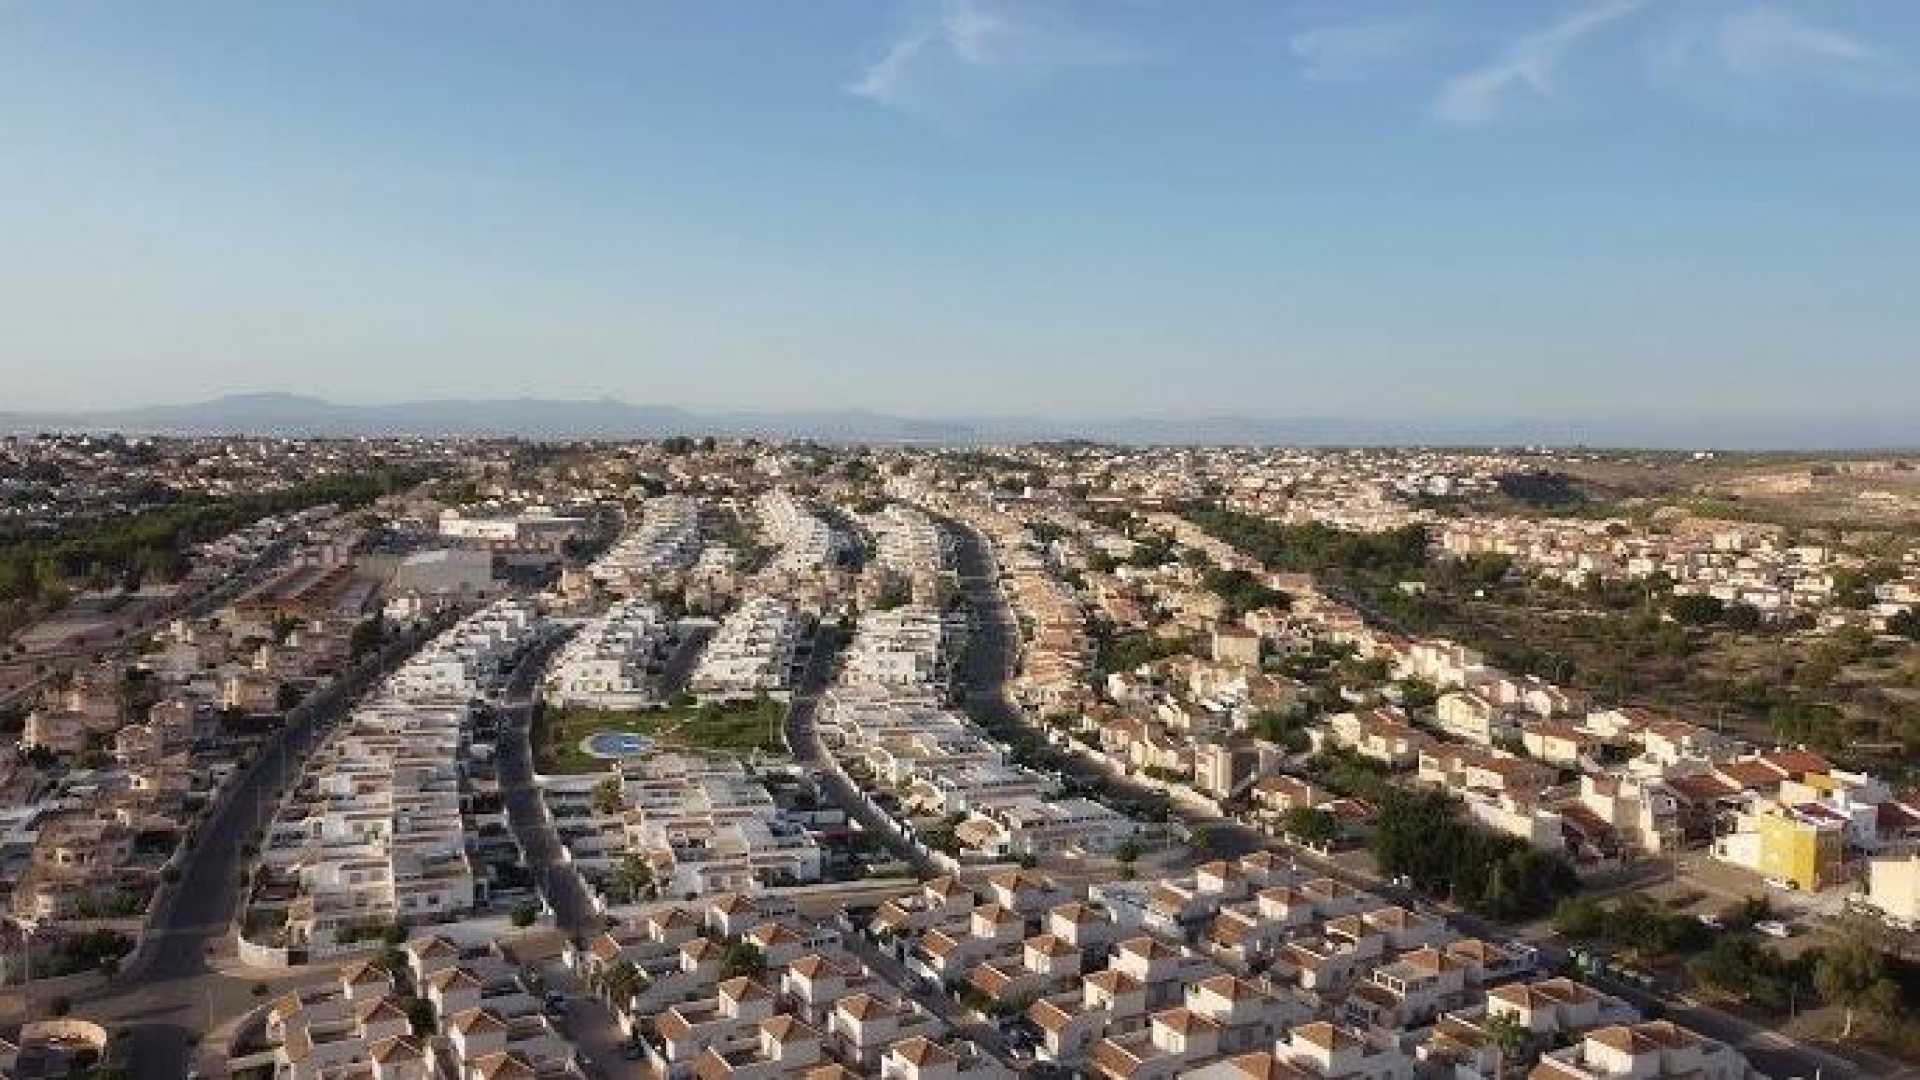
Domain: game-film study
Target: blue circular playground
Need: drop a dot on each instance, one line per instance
(610, 745)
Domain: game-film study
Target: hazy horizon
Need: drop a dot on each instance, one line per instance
(280, 413)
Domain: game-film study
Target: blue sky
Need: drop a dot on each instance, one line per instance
(969, 206)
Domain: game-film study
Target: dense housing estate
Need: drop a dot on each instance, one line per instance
(383, 828)
(798, 825)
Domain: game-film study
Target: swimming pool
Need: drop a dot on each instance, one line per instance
(616, 744)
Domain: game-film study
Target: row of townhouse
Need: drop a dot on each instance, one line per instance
(912, 559)
(753, 651)
(1056, 651)
(613, 661)
(911, 648)
(1794, 818)
(713, 582)
(1119, 600)
(701, 825)
(1786, 814)
(808, 563)
(886, 720)
(396, 818)
(658, 550)
(924, 762)
(471, 659)
(243, 546)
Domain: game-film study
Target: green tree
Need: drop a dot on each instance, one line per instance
(1202, 837)
(631, 879)
(1696, 610)
(609, 796)
(1241, 591)
(741, 958)
(1310, 825)
(620, 983)
(1280, 728)
(1581, 917)
(1854, 587)
(1741, 616)
(136, 693)
(366, 635)
(1735, 964)
(420, 1015)
(1853, 975)
(1418, 694)
(1507, 1036)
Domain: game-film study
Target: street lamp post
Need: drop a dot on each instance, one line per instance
(27, 928)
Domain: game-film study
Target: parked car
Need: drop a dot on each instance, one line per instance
(1774, 928)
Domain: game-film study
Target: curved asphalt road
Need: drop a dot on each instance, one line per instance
(991, 658)
(559, 883)
(168, 994)
(804, 743)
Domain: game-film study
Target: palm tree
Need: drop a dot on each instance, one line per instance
(1506, 1035)
(619, 983)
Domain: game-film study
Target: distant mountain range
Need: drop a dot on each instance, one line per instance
(605, 418)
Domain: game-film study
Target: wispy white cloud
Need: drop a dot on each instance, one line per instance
(1754, 55)
(1528, 66)
(883, 79)
(976, 37)
(1769, 44)
(1345, 51)
(1764, 39)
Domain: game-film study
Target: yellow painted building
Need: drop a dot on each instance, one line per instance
(1805, 850)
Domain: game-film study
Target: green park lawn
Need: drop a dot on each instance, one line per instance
(738, 728)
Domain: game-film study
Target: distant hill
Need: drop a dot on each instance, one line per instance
(602, 418)
(605, 418)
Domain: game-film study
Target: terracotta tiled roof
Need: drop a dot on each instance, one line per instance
(921, 1052)
(785, 1028)
(1326, 1036)
(1265, 1066)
